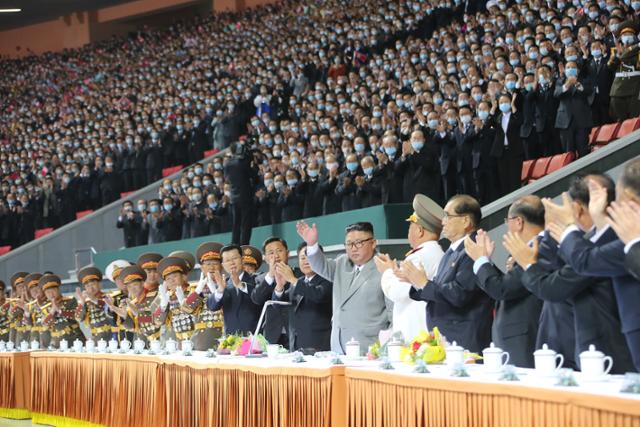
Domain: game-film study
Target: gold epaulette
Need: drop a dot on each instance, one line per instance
(115, 293)
(44, 307)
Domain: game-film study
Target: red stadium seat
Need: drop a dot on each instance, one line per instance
(43, 232)
(540, 168)
(627, 127)
(559, 161)
(5, 249)
(607, 133)
(125, 194)
(211, 152)
(83, 213)
(527, 169)
(593, 135)
(170, 171)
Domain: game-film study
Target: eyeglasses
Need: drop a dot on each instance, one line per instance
(357, 244)
(449, 216)
(510, 218)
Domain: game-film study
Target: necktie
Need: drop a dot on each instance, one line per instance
(444, 263)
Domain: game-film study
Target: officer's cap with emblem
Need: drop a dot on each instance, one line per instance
(18, 278)
(32, 280)
(186, 256)
(427, 214)
(209, 251)
(251, 255)
(133, 273)
(113, 270)
(172, 264)
(629, 26)
(149, 261)
(88, 274)
(50, 281)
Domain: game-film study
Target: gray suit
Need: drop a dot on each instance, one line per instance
(360, 309)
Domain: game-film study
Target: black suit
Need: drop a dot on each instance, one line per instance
(602, 77)
(464, 159)
(515, 326)
(608, 260)
(632, 261)
(371, 191)
(420, 172)
(508, 157)
(447, 159)
(455, 303)
(292, 204)
(242, 177)
(313, 197)
(574, 115)
(528, 128)
(311, 320)
(241, 314)
(484, 176)
(392, 189)
(545, 116)
(347, 193)
(131, 228)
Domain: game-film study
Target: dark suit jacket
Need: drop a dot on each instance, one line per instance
(241, 314)
(311, 320)
(420, 172)
(455, 303)
(606, 260)
(546, 108)
(515, 326)
(632, 261)
(513, 136)
(242, 178)
(602, 77)
(528, 114)
(573, 109)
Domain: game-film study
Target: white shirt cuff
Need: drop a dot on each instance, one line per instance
(570, 229)
(278, 294)
(599, 234)
(311, 250)
(218, 296)
(269, 279)
(479, 263)
(628, 246)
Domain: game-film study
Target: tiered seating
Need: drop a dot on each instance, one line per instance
(82, 214)
(43, 232)
(170, 171)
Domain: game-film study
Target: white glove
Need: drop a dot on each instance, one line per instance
(201, 284)
(180, 295)
(164, 296)
(211, 284)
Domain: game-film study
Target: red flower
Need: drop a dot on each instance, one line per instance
(415, 346)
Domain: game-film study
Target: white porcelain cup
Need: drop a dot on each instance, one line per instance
(24, 346)
(90, 346)
(10, 346)
(113, 345)
(594, 368)
(138, 345)
(102, 345)
(155, 346)
(187, 346)
(273, 350)
(455, 355)
(494, 358)
(125, 345)
(170, 346)
(548, 365)
(77, 345)
(3, 345)
(35, 345)
(64, 345)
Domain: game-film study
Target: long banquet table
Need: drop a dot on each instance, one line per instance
(142, 390)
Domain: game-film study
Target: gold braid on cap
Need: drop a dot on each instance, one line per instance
(89, 278)
(132, 277)
(249, 260)
(171, 269)
(116, 272)
(149, 265)
(33, 283)
(49, 285)
(19, 280)
(211, 255)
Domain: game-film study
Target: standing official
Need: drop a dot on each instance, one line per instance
(60, 315)
(92, 310)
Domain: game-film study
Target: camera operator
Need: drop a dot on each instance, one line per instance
(241, 170)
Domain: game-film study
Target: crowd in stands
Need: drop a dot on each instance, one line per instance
(351, 104)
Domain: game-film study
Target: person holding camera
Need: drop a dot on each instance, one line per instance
(242, 175)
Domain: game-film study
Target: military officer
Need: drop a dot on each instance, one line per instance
(113, 273)
(209, 324)
(251, 259)
(135, 306)
(35, 314)
(625, 59)
(149, 263)
(60, 313)
(171, 295)
(92, 309)
(19, 331)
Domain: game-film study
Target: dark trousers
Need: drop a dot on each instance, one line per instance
(530, 145)
(549, 143)
(575, 139)
(241, 220)
(633, 342)
(509, 167)
(625, 107)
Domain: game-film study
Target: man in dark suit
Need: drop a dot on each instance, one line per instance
(130, 222)
(389, 162)
(418, 166)
(310, 188)
(370, 183)
(528, 132)
(545, 114)
(465, 135)
(602, 76)
(515, 326)
(234, 295)
(591, 299)
(346, 187)
(483, 164)
(455, 303)
(507, 146)
(242, 177)
(276, 325)
(574, 115)
(624, 218)
(310, 313)
(603, 259)
(446, 140)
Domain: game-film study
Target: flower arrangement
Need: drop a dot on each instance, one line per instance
(426, 346)
(239, 346)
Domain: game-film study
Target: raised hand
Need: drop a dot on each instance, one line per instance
(412, 274)
(522, 253)
(384, 262)
(285, 272)
(624, 218)
(308, 233)
(80, 296)
(598, 202)
(560, 214)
